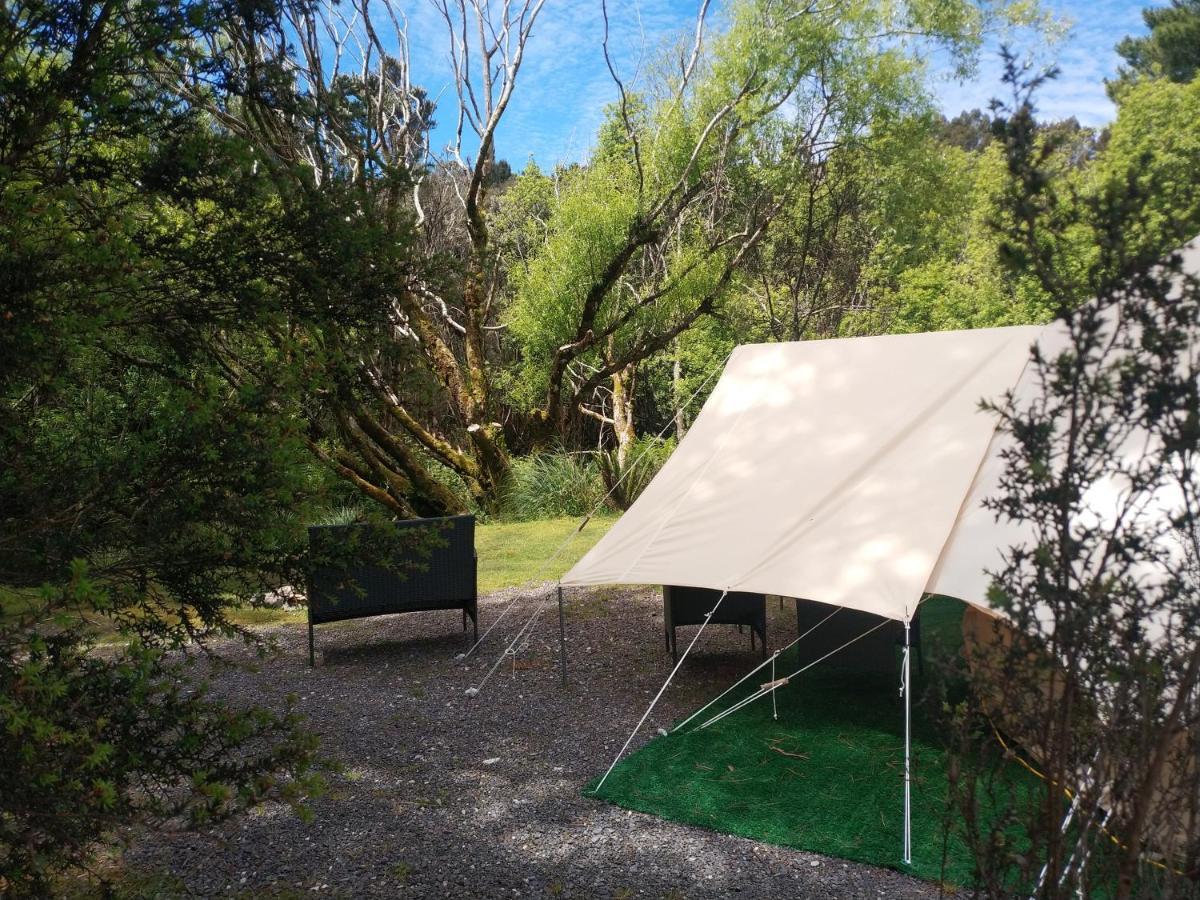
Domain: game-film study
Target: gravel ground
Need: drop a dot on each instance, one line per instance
(445, 795)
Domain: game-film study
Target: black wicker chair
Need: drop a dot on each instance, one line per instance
(433, 570)
(689, 606)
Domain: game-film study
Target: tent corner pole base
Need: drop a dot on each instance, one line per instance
(906, 689)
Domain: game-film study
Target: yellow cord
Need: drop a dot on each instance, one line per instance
(1070, 796)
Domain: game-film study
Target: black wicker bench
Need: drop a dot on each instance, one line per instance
(433, 566)
(689, 606)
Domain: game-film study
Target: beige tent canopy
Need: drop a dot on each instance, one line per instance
(830, 470)
(851, 472)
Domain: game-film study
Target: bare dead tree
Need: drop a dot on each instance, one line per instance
(327, 97)
(342, 108)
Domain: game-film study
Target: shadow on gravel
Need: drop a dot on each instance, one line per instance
(442, 795)
(388, 639)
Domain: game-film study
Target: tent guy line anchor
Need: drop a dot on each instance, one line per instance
(662, 690)
(766, 689)
(761, 665)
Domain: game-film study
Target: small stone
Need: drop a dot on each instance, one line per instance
(472, 692)
(492, 761)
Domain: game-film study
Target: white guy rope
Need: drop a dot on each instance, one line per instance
(586, 519)
(774, 684)
(761, 665)
(662, 690)
(1066, 824)
(1085, 850)
(510, 650)
(761, 692)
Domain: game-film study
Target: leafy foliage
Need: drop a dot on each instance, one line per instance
(91, 742)
(153, 473)
(1099, 649)
(624, 484)
(1171, 50)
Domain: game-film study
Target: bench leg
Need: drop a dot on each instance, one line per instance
(311, 659)
(464, 618)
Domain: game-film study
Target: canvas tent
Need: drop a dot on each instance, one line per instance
(829, 470)
(850, 472)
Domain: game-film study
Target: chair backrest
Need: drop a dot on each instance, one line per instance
(432, 562)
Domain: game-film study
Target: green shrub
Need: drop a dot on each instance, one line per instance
(552, 485)
(646, 456)
(348, 514)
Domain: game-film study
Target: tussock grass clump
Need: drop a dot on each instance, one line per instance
(552, 485)
(646, 456)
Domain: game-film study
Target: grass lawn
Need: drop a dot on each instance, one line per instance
(510, 553)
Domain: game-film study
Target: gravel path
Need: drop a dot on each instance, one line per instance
(422, 810)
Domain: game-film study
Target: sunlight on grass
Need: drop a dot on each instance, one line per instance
(511, 553)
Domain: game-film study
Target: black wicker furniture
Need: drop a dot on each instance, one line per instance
(433, 566)
(689, 606)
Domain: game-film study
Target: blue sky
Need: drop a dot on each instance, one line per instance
(564, 84)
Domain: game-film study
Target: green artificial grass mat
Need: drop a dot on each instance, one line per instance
(827, 776)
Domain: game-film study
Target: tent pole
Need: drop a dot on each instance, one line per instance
(562, 638)
(907, 689)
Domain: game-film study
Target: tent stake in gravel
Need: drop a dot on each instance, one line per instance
(662, 690)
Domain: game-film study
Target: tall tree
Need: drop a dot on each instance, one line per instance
(1094, 665)
(341, 101)
(691, 174)
(155, 281)
(1171, 50)
(420, 423)
(1153, 139)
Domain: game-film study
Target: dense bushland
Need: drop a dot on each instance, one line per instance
(240, 292)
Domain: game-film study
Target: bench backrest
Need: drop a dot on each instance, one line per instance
(433, 567)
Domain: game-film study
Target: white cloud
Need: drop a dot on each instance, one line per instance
(1085, 56)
